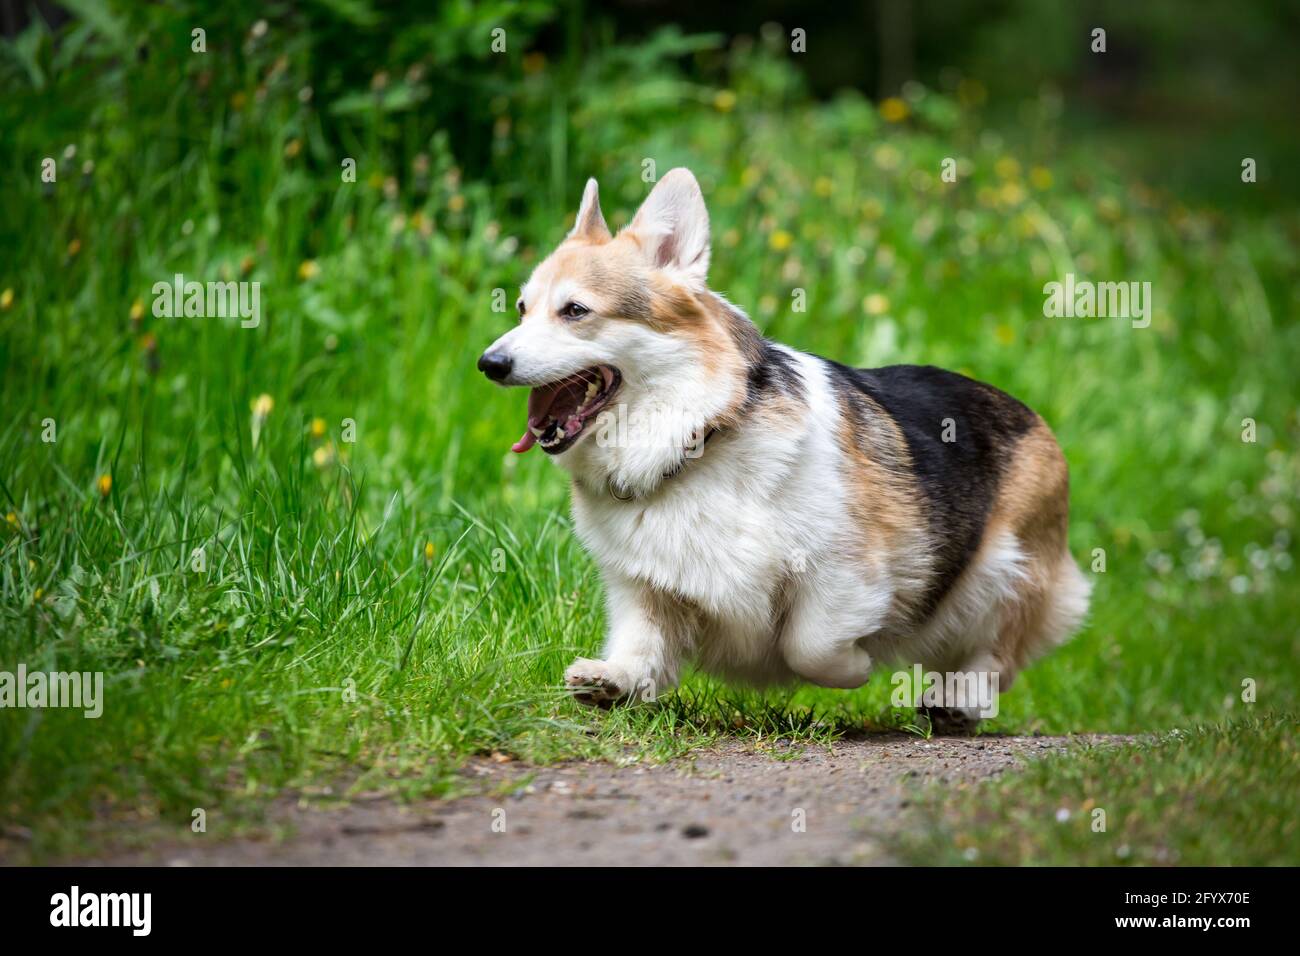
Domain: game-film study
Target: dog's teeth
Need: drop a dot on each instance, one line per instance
(559, 433)
(537, 432)
(591, 391)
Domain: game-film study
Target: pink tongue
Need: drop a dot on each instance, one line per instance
(539, 403)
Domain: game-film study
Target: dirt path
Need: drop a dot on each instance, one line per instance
(729, 805)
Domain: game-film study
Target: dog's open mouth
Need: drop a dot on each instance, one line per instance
(558, 413)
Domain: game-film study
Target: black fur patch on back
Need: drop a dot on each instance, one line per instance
(958, 478)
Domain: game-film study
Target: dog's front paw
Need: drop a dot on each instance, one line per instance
(596, 683)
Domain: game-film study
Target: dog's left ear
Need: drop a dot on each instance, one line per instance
(590, 223)
(672, 226)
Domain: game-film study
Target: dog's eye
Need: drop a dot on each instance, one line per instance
(520, 306)
(574, 311)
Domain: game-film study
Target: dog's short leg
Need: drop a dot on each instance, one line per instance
(949, 721)
(826, 622)
(969, 694)
(641, 656)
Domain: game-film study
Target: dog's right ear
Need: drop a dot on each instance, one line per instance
(590, 223)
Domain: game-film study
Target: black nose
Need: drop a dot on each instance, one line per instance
(494, 365)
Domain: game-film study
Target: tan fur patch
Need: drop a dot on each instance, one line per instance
(608, 272)
(781, 413)
(884, 501)
(1033, 504)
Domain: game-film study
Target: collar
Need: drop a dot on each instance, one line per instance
(671, 472)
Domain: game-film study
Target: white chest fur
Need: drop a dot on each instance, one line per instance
(711, 534)
(758, 514)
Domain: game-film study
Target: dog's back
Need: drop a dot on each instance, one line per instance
(993, 489)
(961, 437)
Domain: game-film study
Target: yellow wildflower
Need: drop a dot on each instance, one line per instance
(887, 156)
(894, 110)
(875, 304)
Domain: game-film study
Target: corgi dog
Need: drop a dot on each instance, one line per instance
(765, 514)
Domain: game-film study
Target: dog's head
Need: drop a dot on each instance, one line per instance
(608, 321)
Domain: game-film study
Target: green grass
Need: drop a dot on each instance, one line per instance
(374, 611)
(1213, 795)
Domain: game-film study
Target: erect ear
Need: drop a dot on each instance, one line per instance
(590, 224)
(672, 226)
